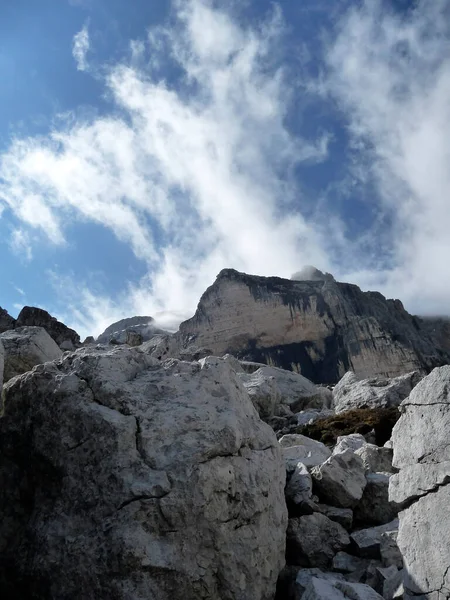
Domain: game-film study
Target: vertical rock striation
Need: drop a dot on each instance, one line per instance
(320, 328)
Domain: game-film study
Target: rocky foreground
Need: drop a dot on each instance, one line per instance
(126, 475)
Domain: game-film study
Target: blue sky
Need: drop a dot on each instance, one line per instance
(146, 145)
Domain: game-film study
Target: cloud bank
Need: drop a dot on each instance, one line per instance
(195, 166)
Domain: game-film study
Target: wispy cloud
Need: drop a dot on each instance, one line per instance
(20, 245)
(390, 73)
(198, 163)
(80, 48)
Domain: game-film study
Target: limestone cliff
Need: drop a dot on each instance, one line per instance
(319, 328)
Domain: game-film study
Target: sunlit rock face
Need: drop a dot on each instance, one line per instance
(318, 327)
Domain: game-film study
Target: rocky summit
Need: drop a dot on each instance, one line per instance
(290, 442)
(318, 327)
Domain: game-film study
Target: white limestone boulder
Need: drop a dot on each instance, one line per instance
(26, 347)
(141, 480)
(353, 442)
(376, 459)
(422, 455)
(299, 448)
(269, 387)
(340, 480)
(376, 392)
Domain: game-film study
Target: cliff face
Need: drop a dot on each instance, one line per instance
(320, 329)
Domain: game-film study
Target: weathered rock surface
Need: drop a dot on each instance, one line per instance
(298, 492)
(353, 442)
(299, 448)
(118, 331)
(270, 387)
(66, 338)
(323, 589)
(125, 478)
(6, 321)
(313, 540)
(319, 328)
(375, 508)
(376, 459)
(376, 392)
(367, 542)
(343, 516)
(26, 347)
(422, 453)
(340, 480)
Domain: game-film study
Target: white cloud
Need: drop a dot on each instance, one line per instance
(20, 245)
(80, 48)
(391, 75)
(201, 162)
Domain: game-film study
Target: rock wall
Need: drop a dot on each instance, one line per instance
(422, 453)
(320, 329)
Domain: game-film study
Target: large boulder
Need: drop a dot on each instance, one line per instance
(26, 347)
(123, 478)
(376, 392)
(299, 448)
(367, 542)
(66, 338)
(422, 454)
(327, 589)
(340, 480)
(269, 387)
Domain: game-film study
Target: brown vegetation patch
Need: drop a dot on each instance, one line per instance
(358, 420)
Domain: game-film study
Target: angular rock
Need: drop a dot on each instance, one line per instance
(322, 589)
(352, 442)
(299, 448)
(343, 516)
(269, 387)
(346, 563)
(298, 492)
(422, 453)
(367, 542)
(309, 416)
(340, 480)
(66, 338)
(377, 392)
(376, 459)
(393, 586)
(26, 347)
(389, 550)
(313, 540)
(375, 508)
(162, 347)
(304, 577)
(123, 478)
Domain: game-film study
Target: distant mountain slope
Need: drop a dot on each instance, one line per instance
(320, 327)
